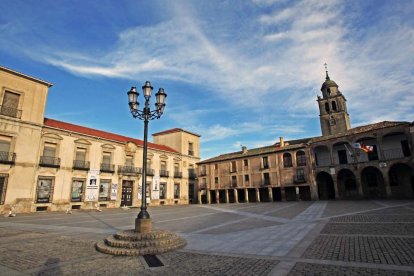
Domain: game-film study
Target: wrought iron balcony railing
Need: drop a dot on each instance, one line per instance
(164, 173)
(150, 172)
(7, 157)
(129, 170)
(109, 168)
(298, 179)
(81, 165)
(191, 152)
(10, 111)
(48, 161)
(395, 153)
(178, 174)
(264, 166)
(203, 173)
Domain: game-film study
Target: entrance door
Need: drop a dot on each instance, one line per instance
(126, 199)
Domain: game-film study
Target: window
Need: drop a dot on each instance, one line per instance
(300, 158)
(3, 187)
(77, 190)
(328, 91)
(149, 163)
(203, 183)
(327, 107)
(265, 162)
(287, 160)
(234, 180)
(80, 154)
(373, 155)
(163, 165)
(106, 158)
(333, 105)
(49, 154)
(176, 190)
(44, 191)
(10, 105)
(300, 175)
(5, 154)
(163, 190)
(246, 178)
(129, 161)
(176, 167)
(104, 189)
(203, 170)
(106, 165)
(215, 180)
(342, 157)
(80, 159)
(190, 149)
(233, 166)
(246, 162)
(216, 166)
(266, 179)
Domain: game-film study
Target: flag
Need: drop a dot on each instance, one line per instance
(356, 145)
(362, 147)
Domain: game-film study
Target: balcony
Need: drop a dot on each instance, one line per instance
(81, 165)
(129, 170)
(203, 185)
(191, 152)
(265, 182)
(108, 168)
(264, 167)
(191, 174)
(234, 184)
(395, 153)
(164, 173)
(203, 173)
(7, 157)
(323, 161)
(299, 179)
(48, 161)
(10, 112)
(150, 172)
(178, 174)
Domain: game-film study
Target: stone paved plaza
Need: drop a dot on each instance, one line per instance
(281, 238)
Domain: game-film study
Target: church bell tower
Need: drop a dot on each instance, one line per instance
(333, 114)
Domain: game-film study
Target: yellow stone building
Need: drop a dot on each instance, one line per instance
(47, 164)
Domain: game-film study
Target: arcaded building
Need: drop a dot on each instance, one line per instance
(332, 166)
(47, 164)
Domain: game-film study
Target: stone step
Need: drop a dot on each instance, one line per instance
(131, 235)
(164, 241)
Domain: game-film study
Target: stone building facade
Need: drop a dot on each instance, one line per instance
(47, 164)
(332, 166)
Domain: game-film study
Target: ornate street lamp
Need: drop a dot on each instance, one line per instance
(143, 222)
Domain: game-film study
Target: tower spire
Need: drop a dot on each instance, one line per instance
(326, 70)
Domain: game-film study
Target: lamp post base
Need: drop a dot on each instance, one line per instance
(143, 225)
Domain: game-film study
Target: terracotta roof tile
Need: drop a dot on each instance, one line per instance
(102, 134)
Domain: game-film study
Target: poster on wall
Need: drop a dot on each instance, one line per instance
(92, 188)
(114, 191)
(155, 194)
(139, 191)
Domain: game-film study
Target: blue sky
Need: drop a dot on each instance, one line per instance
(236, 72)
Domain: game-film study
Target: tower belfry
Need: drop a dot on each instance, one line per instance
(333, 114)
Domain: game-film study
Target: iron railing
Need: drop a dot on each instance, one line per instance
(129, 170)
(49, 161)
(109, 168)
(192, 174)
(150, 172)
(298, 179)
(395, 153)
(10, 112)
(81, 165)
(7, 157)
(164, 173)
(178, 174)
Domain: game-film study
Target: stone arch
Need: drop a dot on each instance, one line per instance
(334, 108)
(372, 182)
(326, 187)
(401, 179)
(347, 184)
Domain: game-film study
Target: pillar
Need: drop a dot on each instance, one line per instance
(217, 196)
(227, 196)
(335, 181)
(246, 195)
(199, 197)
(236, 196)
(270, 194)
(257, 195)
(208, 197)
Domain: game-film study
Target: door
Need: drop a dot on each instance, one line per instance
(126, 199)
(342, 157)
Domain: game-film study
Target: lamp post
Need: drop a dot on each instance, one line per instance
(143, 222)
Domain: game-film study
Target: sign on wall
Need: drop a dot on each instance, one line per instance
(92, 188)
(155, 187)
(114, 191)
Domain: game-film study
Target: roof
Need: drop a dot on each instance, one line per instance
(175, 130)
(25, 76)
(358, 130)
(102, 134)
(257, 151)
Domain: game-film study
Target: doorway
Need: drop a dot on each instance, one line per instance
(126, 199)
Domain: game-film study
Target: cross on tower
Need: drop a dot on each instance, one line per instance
(326, 69)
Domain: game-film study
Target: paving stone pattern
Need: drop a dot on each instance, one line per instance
(390, 250)
(408, 218)
(369, 229)
(332, 270)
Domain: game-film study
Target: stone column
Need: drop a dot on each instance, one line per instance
(359, 185)
(236, 196)
(199, 197)
(208, 197)
(335, 181)
(257, 195)
(270, 194)
(387, 186)
(217, 196)
(246, 195)
(227, 196)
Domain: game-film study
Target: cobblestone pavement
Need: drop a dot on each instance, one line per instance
(288, 238)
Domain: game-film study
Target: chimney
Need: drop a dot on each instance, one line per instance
(281, 142)
(244, 149)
